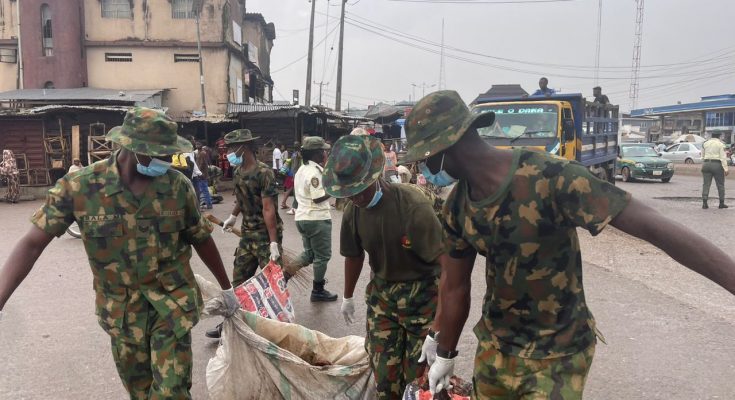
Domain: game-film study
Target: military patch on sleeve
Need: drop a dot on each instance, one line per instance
(315, 182)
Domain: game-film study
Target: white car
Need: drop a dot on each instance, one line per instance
(688, 153)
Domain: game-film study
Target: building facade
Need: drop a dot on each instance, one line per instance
(712, 116)
(139, 44)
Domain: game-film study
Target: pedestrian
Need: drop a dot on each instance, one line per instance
(76, 165)
(201, 181)
(714, 165)
(391, 163)
(277, 160)
(284, 154)
(139, 220)
(222, 157)
(288, 184)
(313, 219)
(520, 210)
(543, 90)
(296, 162)
(397, 228)
(256, 198)
(9, 172)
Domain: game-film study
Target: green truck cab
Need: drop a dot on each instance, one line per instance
(642, 161)
(565, 125)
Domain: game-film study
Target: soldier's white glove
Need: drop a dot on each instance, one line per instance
(275, 253)
(232, 304)
(348, 310)
(440, 373)
(428, 351)
(229, 223)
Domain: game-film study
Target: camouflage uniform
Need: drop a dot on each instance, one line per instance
(250, 188)
(9, 171)
(536, 335)
(147, 299)
(403, 240)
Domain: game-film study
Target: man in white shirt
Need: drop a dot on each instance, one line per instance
(714, 165)
(277, 160)
(313, 220)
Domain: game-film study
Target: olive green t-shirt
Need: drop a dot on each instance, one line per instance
(401, 234)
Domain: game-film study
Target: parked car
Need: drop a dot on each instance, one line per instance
(687, 153)
(638, 161)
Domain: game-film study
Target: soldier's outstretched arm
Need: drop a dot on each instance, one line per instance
(455, 295)
(21, 261)
(681, 243)
(208, 252)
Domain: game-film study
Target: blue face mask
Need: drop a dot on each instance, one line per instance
(441, 179)
(234, 159)
(376, 197)
(155, 168)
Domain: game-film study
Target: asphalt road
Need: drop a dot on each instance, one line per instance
(669, 331)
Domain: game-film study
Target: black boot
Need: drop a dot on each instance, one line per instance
(723, 205)
(318, 293)
(215, 332)
(704, 205)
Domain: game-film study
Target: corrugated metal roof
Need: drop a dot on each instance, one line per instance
(233, 108)
(80, 94)
(60, 107)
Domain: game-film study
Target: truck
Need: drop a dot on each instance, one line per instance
(565, 125)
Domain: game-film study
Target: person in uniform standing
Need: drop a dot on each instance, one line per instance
(139, 220)
(313, 218)
(714, 165)
(396, 226)
(520, 209)
(9, 171)
(255, 197)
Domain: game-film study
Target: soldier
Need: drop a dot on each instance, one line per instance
(396, 226)
(313, 219)
(256, 197)
(520, 209)
(139, 220)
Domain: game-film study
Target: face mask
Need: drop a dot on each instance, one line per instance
(234, 159)
(376, 197)
(441, 179)
(155, 168)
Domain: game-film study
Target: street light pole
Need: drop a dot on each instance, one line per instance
(338, 102)
(197, 7)
(307, 100)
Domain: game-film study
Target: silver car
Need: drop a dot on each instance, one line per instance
(688, 153)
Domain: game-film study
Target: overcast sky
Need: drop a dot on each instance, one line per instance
(688, 48)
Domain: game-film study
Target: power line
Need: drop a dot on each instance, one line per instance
(304, 56)
(482, 1)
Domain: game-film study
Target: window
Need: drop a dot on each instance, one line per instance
(118, 57)
(683, 147)
(116, 9)
(186, 57)
(9, 56)
(47, 37)
(182, 9)
(49, 85)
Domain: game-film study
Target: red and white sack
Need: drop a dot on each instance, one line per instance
(266, 294)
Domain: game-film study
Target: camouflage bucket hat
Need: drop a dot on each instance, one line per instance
(149, 132)
(240, 136)
(315, 143)
(355, 163)
(437, 122)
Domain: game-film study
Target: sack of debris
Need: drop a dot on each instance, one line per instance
(261, 358)
(266, 294)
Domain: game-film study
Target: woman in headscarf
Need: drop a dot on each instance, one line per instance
(9, 172)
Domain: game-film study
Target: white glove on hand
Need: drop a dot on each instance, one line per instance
(428, 351)
(229, 223)
(440, 373)
(348, 310)
(275, 253)
(232, 304)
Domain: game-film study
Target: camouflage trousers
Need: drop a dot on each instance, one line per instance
(500, 376)
(158, 365)
(253, 252)
(399, 315)
(13, 188)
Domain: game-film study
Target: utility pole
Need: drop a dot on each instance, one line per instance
(636, 54)
(197, 5)
(307, 100)
(423, 86)
(321, 85)
(338, 101)
(597, 49)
